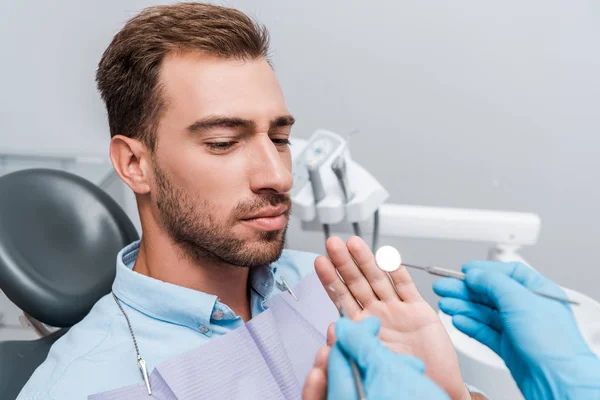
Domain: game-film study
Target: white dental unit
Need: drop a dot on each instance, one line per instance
(509, 231)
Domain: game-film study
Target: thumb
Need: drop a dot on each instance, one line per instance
(339, 376)
(331, 334)
(496, 288)
(519, 272)
(359, 341)
(369, 324)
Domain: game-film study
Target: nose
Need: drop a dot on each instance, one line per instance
(270, 170)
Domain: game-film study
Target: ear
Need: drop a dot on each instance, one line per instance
(131, 159)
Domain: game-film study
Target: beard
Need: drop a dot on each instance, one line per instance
(192, 226)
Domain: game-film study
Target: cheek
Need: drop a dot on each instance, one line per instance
(217, 181)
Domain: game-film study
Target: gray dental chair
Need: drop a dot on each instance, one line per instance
(59, 237)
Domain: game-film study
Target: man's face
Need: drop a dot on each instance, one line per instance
(222, 163)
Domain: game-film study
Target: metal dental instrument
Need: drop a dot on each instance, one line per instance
(284, 286)
(355, 372)
(388, 259)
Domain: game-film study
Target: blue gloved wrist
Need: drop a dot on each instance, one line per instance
(577, 377)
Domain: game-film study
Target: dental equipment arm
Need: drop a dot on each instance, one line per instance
(507, 231)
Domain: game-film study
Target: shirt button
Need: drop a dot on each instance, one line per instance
(217, 315)
(203, 329)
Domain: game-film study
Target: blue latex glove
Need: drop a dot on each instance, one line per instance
(537, 338)
(385, 375)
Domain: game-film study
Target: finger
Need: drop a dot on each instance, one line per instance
(340, 381)
(457, 289)
(378, 280)
(450, 287)
(523, 274)
(497, 289)
(331, 334)
(405, 286)
(520, 272)
(478, 331)
(478, 312)
(328, 277)
(349, 271)
(359, 340)
(322, 358)
(315, 386)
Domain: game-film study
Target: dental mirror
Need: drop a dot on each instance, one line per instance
(388, 258)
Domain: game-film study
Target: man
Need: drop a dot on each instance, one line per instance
(200, 133)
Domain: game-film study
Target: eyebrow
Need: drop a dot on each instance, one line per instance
(234, 122)
(285, 120)
(220, 122)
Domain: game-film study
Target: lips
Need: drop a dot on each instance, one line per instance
(268, 219)
(269, 212)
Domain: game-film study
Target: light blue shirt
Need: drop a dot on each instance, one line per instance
(98, 354)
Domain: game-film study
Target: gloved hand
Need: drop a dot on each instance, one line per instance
(537, 337)
(385, 375)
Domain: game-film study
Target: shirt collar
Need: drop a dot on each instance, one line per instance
(173, 303)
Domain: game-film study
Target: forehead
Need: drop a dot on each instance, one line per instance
(196, 85)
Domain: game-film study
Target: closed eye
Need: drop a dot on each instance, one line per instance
(281, 142)
(220, 145)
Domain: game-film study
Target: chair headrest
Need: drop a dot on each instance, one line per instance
(59, 237)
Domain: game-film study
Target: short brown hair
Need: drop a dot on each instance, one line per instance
(128, 73)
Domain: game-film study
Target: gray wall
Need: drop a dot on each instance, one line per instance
(469, 104)
(466, 104)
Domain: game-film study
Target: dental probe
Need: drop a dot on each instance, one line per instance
(388, 259)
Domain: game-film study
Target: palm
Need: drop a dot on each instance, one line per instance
(408, 324)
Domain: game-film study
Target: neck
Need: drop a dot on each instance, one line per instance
(160, 259)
